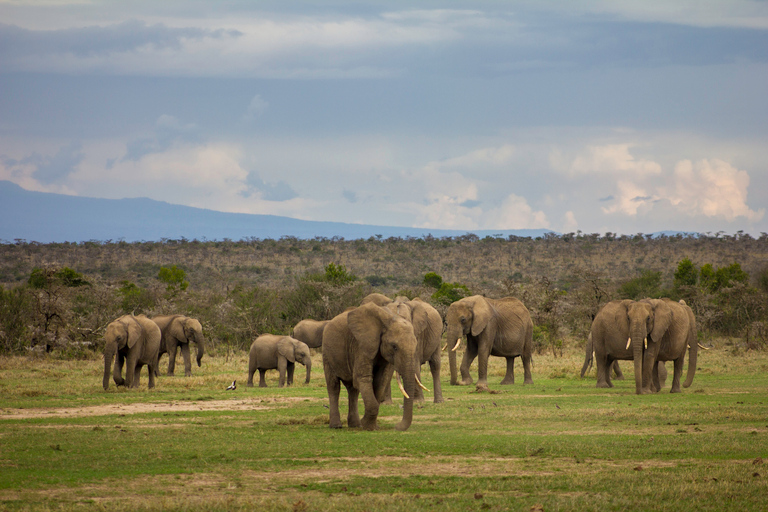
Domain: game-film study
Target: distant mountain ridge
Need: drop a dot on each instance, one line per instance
(46, 218)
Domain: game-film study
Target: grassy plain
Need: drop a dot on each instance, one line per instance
(560, 444)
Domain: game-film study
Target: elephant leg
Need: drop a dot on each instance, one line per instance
(617, 370)
(117, 370)
(171, 356)
(353, 415)
(262, 380)
(482, 367)
(434, 367)
(527, 378)
(678, 371)
(130, 370)
(137, 374)
(333, 385)
(603, 371)
(290, 369)
(187, 360)
(151, 369)
(418, 392)
(655, 387)
(370, 403)
(469, 355)
(251, 371)
(382, 385)
(509, 378)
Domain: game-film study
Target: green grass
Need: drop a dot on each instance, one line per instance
(563, 444)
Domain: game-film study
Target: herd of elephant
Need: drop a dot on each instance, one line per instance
(366, 345)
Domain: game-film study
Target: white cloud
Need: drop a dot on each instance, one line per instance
(629, 198)
(612, 159)
(256, 107)
(570, 224)
(514, 213)
(712, 188)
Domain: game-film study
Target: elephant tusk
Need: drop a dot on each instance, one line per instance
(400, 385)
(645, 342)
(458, 342)
(629, 342)
(422, 386)
(702, 346)
(445, 347)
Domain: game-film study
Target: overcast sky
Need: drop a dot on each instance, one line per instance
(621, 116)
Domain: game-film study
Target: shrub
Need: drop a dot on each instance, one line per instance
(433, 280)
(450, 293)
(174, 277)
(647, 285)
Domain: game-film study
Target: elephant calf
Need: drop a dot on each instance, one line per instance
(179, 331)
(132, 341)
(270, 352)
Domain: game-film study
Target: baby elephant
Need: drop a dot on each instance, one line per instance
(270, 352)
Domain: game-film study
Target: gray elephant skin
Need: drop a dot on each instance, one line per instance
(281, 353)
(133, 341)
(493, 327)
(645, 332)
(178, 331)
(362, 347)
(310, 332)
(428, 329)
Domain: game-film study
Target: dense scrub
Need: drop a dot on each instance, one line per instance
(61, 296)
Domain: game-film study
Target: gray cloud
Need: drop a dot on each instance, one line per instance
(279, 191)
(56, 168)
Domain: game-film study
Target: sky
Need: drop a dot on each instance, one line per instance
(597, 116)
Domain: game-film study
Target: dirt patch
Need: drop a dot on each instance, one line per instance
(248, 404)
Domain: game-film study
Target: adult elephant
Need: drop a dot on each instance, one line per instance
(678, 334)
(310, 332)
(274, 352)
(493, 327)
(177, 332)
(133, 341)
(428, 329)
(362, 347)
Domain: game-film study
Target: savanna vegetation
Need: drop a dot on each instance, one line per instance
(559, 444)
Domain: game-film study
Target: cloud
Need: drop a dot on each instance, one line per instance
(612, 159)
(44, 170)
(714, 189)
(279, 191)
(569, 222)
(256, 107)
(167, 131)
(514, 213)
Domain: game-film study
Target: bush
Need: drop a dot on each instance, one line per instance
(433, 280)
(175, 278)
(647, 285)
(450, 293)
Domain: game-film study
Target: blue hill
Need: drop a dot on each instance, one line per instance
(46, 218)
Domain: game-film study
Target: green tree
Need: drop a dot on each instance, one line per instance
(713, 280)
(433, 280)
(450, 293)
(337, 275)
(175, 278)
(647, 285)
(686, 273)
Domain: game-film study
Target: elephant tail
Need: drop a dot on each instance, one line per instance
(693, 356)
(587, 356)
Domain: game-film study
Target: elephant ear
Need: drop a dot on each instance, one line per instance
(481, 315)
(366, 323)
(622, 316)
(285, 348)
(662, 319)
(419, 317)
(175, 329)
(134, 331)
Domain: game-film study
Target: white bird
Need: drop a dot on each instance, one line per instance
(233, 385)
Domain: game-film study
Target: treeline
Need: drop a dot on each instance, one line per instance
(61, 296)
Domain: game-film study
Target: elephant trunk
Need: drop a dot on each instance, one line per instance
(408, 373)
(309, 370)
(453, 337)
(693, 356)
(637, 338)
(200, 342)
(110, 349)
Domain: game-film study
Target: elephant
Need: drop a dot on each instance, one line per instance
(678, 335)
(135, 341)
(618, 375)
(179, 331)
(645, 326)
(310, 332)
(275, 352)
(493, 327)
(362, 347)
